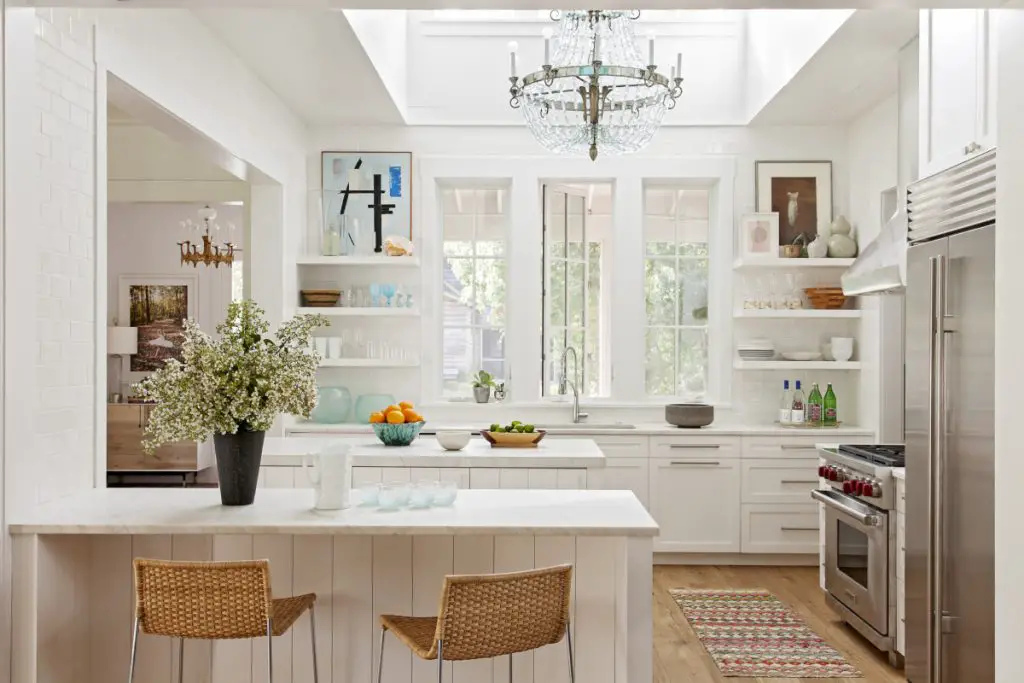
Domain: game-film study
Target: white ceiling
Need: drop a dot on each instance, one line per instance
(311, 59)
(854, 70)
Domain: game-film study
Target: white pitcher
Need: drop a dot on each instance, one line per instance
(330, 473)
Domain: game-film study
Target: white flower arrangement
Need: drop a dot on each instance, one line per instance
(242, 380)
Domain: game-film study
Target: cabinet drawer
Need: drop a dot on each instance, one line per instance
(682, 447)
(620, 474)
(780, 529)
(788, 480)
(781, 447)
(623, 446)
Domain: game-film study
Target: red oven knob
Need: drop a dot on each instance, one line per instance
(833, 475)
(847, 487)
(860, 487)
(868, 489)
(822, 471)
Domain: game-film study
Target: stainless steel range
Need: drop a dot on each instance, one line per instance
(860, 538)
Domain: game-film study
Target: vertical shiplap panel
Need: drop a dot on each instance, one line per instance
(473, 555)
(511, 554)
(572, 479)
(232, 659)
(635, 624)
(366, 475)
(541, 479)
(515, 478)
(279, 549)
(300, 478)
(112, 586)
(551, 663)
(313, 572)
(459, 475)
(198, 664)
(396, 475)
(392, 594)
(261, 480)
(418, 474)
(484, 478)
(433, 558)
(596, 586)
(352, 613)
(153, 656)
(62, 633)
(279, 477)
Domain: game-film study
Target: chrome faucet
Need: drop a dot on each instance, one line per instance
(564, 380)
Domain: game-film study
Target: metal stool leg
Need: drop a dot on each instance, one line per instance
(270, 651)
(135, 643)
(181, 660)
(510, 669)
(380, 663)
(440, 661)
(572, 666)
(312, 632)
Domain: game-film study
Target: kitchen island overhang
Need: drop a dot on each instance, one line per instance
(73, 592)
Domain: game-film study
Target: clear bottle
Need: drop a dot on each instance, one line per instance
(830, 416)
(786, 405)
(813, 411)
(797, 412)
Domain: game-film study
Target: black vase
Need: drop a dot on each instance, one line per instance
(238, 465)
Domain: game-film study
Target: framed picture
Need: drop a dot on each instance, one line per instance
(759, 236)
(158, 306)
(341, 171)
(800, 192)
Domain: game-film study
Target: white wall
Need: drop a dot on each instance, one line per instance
(384, 37)
(511, 152)
(141, 240)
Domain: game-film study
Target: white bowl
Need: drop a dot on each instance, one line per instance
(454, 440)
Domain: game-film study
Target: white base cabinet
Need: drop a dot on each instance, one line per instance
(901, 561)
(285, 477)
(780, 529)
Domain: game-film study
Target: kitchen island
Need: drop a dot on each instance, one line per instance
(73, 593)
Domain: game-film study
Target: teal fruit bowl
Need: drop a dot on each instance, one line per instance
(397, 435)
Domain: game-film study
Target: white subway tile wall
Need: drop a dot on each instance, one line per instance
(65, 95)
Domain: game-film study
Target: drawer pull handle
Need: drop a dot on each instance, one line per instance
(794, 447)
(688, 445)
(800, 481)
(695, 463)
(800, 528)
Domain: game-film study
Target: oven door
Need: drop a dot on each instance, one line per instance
(857, 557)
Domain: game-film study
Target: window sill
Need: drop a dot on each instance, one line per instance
(660, 402)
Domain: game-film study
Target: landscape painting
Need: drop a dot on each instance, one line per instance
(158, 307)
(800, 192)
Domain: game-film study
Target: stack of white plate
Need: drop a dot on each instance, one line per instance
(756, 349)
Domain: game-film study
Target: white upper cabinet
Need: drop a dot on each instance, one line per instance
(957, 87)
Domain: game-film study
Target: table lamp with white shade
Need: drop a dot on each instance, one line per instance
(122, 341)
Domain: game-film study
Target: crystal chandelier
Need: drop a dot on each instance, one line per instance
(596, 92)
(210, 253)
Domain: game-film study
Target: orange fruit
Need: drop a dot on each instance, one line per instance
(395, 417)
(376, 418)
(406, 405)
(391, 409)
(411, 415)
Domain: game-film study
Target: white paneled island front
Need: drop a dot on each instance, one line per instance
(73, 592)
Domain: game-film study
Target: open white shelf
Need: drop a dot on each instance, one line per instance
(795, 313)
(360, 312)
(741, 263)
(387, 261)
(795, 365)
(367, 363)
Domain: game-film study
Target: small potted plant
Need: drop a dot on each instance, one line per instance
(233, 388)
(482, 383)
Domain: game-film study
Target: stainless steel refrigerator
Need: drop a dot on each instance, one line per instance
(950, 307)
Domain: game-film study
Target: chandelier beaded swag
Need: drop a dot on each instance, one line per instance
(596, 92)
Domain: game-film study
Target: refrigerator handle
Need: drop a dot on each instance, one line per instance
(936, 458)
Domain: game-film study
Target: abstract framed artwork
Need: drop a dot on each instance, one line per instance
(157, 305)
(348, 181)
(800, 192)
(759, 236)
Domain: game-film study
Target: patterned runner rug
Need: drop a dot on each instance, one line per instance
(751, 633)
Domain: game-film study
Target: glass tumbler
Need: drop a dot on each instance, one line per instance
(422, 494)
(369, 495)
(394, 496)
(445, 493)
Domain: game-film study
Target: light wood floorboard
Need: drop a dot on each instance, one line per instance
(679, 656)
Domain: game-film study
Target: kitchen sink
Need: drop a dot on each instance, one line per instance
(584, 426)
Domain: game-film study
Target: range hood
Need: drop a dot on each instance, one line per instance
(881, 266)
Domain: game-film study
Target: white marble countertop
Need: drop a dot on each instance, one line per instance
(289, 511)
(426, 452)
(639, 429)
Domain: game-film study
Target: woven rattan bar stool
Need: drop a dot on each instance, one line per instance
(489, 615)
(213, 601)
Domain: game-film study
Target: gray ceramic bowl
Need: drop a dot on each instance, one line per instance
(691, 415)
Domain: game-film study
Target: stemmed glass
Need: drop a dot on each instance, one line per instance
(388, 291)
(374, 295)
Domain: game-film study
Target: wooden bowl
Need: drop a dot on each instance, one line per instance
(825, 298)
(513, 439)
(320, 298)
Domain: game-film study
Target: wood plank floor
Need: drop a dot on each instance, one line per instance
(679, 656)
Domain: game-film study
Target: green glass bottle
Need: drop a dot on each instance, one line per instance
(814, 407)
(831, 414)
